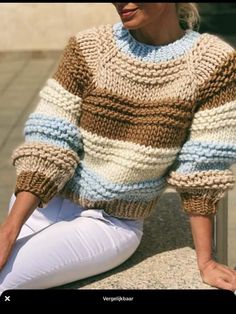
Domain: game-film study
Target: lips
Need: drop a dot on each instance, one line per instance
(127, 12)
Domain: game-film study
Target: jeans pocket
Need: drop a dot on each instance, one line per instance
(98, 214)
(69, 210)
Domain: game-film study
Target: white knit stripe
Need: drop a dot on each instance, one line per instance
(126, 153)
(116, 76)
(52, 110)
(129, 162)
(219, 117)
(210, 179)
(115, 173)
(225, 135)
(57, 101)
(112, 81)
(227, 107)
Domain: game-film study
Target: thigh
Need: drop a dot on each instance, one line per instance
(41, 217)
(67, 251)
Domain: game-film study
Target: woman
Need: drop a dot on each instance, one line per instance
(131, 107)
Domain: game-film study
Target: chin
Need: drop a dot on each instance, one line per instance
(134, 21)
(132, 24)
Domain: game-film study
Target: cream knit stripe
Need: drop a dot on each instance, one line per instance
(56, 163)
(89, 44)
(52, 110)
(227, 108)
(216, 118)
(122, 174)
(129, 162)
(211, 54)
(119, 70)
(212, 179)
(217, 124)
(126, 153)
(174, 87)
(149, 77)
(58, 102)
(223, 134)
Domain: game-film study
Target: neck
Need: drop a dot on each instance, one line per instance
(162, 32)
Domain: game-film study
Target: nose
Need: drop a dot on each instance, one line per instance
(119, 5)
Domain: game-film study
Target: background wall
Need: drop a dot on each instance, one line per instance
(47, 26)
(39, 26)
(218, 18)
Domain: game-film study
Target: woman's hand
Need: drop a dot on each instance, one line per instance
(212, 273)
(23, 207)
(218, 275)
(8, 237)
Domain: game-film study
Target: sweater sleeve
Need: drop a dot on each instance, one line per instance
(50, 153)
(202, 171)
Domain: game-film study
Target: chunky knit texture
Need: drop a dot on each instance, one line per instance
(120, 119)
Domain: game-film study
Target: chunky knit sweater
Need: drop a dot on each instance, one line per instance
(119, 120)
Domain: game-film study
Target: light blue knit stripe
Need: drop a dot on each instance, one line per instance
(150, 53)
(206, 156)
(207, 152)
(190, 167)
(89, 185)
(51, 130)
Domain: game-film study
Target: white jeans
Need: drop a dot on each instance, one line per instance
(63, 243)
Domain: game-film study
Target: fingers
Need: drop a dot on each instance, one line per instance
(228, 270)
(221, 277)
(224, 284)
(229, 275)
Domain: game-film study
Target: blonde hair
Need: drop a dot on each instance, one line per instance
(189, 17)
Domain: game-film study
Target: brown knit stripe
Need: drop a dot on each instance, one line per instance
(221, 97)
(198, 205)
(73, 72)
(125, 108)
(143, 117)
(119, 208)
(224, 75)
(36, 183)
(155, 134)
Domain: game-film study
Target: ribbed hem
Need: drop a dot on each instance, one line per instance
(38, 184)
(132, 210)
(117, 208)
(199, 204)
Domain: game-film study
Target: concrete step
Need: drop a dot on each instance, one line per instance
(168, 270)
(165, 258)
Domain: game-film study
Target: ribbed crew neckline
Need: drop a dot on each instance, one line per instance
(152, 53)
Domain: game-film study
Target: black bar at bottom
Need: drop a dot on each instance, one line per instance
(168, 298)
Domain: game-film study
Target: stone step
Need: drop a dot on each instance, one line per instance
(174, 269)
(165, 258)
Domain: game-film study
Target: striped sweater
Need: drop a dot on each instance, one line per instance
(119, 120)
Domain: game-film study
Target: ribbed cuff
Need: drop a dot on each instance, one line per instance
(38, 184)
(204, 204)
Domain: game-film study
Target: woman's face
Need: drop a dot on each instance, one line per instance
(135, 15)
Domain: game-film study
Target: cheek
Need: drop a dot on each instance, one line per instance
(154, 10)
(145, 15)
